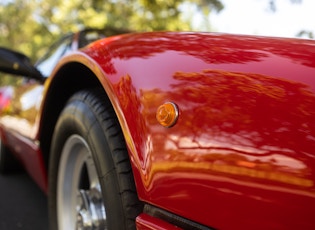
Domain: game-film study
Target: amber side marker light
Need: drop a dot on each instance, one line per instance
(167, 114)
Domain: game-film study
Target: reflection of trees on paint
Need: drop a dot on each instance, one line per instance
(240, 120)
(211, 48)
(257, 111)
(131, 105)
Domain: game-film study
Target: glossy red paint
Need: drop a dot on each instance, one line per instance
(146, 222)
(19, 127)
(31, 157)
(242, 152)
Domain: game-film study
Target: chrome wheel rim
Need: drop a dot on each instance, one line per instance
(79, 196)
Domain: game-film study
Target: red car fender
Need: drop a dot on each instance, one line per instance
(242, 148)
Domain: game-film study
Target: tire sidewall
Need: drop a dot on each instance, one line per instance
(78, 118)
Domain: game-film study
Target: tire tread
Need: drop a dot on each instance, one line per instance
(99, 105)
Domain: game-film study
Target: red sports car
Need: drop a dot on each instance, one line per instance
(167, 130)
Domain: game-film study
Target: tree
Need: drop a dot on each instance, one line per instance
(30, 26)
(306, 34)
(273, 4)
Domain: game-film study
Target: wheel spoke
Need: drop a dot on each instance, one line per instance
(91, 171)
(80, 203)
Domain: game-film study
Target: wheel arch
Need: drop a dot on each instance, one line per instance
(74, 73)
(69, 79)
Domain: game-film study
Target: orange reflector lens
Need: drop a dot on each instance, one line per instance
(167, 114)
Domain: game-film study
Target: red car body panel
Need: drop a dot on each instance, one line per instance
(146, 222)
(243, 147)
(242, 153)
(31, 157)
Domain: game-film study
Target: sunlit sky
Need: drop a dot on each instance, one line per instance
(255, 17)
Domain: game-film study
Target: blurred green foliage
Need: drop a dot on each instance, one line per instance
(30, 26)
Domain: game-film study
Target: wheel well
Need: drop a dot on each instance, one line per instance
(71, 78)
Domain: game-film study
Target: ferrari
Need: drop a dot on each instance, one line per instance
(165, 130)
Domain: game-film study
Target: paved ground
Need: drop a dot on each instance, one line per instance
(23, 206)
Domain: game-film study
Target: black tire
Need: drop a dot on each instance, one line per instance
(88, 125)
(8, 163)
